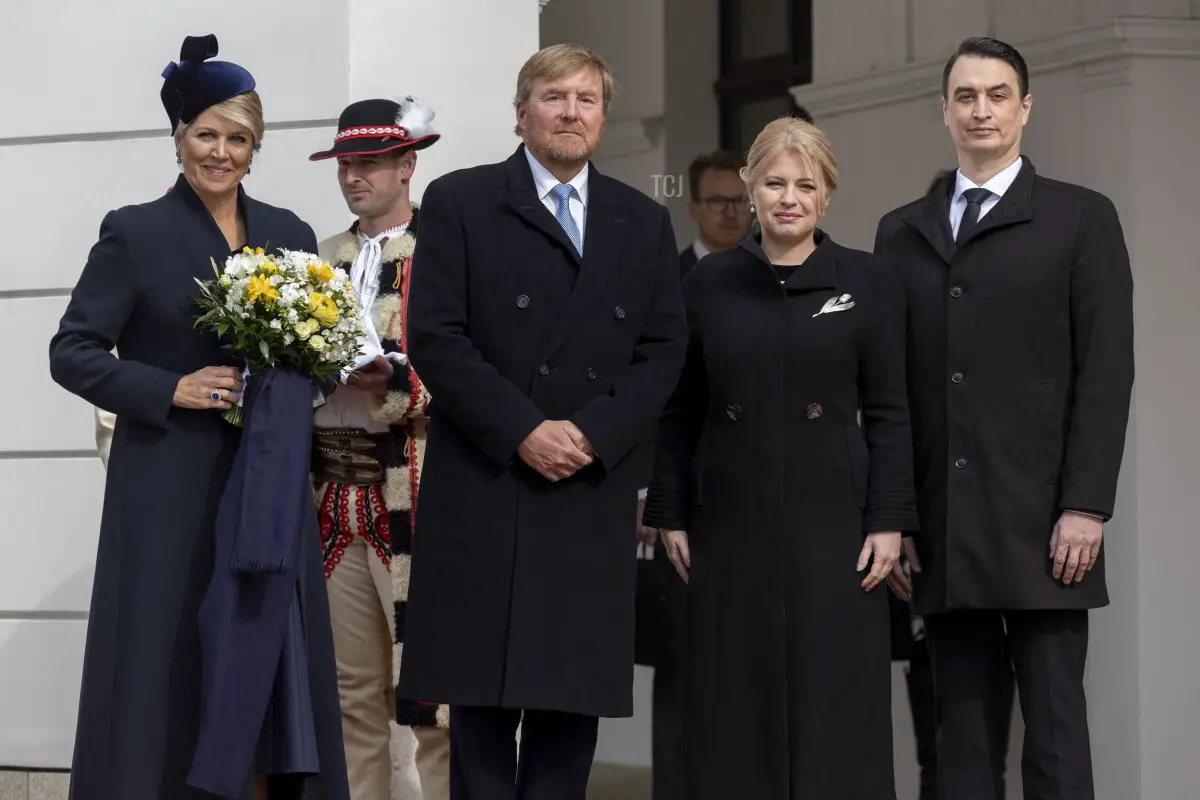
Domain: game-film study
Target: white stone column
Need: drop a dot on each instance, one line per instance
(1115, 108)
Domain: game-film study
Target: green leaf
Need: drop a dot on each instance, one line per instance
(262, 346)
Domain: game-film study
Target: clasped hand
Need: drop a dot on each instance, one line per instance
(556, 449)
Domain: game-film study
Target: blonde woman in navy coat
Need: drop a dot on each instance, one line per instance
(782, 513)
(140, 713)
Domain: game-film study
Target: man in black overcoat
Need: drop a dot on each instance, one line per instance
(1020, 375)
(545, 319)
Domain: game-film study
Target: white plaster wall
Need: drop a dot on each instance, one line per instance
(90, 135)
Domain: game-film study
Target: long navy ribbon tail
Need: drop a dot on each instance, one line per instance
(267, 505)
(277, 440)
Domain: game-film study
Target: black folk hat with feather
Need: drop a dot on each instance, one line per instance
(376, 126)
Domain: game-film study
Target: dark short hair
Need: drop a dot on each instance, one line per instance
(987, 47)
(717, 159)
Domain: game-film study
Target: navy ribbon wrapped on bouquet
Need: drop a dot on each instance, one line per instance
(252, 643)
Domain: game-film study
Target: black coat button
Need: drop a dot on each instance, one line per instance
(544, 369)
(619, 312)
(591, 373)
(813, 410)
(523, 301)
(957, 377)
(956, 291)
(734, 412)
(961, 463)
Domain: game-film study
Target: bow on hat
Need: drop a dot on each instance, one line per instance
(195, 83)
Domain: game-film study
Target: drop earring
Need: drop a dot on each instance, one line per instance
(178, 158)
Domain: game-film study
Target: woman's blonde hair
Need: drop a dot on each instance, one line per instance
(242, 109)
(560, 61)
(794, 135)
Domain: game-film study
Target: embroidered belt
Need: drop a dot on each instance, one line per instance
(350, 456)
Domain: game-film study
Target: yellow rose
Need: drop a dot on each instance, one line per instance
(258, 251)
(321, 306)
(269, 268)
(260, 289)
(316, 343)
(321, 274)
(302, 330)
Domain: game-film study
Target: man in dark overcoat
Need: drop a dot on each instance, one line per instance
(1020, 375)
(545, 318)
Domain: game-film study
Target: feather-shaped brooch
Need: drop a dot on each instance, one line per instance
(837, 303)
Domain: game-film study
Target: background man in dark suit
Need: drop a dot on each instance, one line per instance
(546, 320)
(1020, 374)
(720, 206)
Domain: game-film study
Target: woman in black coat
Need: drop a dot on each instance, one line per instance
(778, 508)
(141, 710)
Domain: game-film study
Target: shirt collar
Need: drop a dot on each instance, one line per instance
(997, 185)
(699, 249)
(543, 181)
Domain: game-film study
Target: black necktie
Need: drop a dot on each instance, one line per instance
(970, 219)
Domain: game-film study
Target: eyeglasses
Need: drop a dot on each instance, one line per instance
(719, 205)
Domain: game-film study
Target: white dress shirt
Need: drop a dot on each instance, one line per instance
(544, 182)
(997, 185)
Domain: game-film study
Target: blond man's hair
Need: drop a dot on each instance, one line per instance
(559, 61)
(793, 135)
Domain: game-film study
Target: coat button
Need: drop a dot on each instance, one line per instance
(957, 377)
(591, 373)
(960, 462)
(544, 369)
(734, 412)
(619, 312)
(956, 291)
(523, 301)
(813, 410)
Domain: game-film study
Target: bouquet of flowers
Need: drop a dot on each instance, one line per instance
(290, 310)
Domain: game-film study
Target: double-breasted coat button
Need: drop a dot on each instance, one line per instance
(957, 377)
(591, 373)
(956, 291)
(813, 410)
(544, 369)
(733, 411)
(523, 301)
(619, 312)
(961, 463)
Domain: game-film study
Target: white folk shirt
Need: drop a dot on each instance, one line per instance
(349, 407)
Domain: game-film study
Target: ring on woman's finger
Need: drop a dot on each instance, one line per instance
(216, 395)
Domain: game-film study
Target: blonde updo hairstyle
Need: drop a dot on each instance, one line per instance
(794, 135)
(242, 109)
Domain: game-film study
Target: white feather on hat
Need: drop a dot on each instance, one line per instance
(415, 117)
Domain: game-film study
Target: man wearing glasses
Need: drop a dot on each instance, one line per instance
(720, 206)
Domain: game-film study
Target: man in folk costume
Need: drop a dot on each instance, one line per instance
(369, 448)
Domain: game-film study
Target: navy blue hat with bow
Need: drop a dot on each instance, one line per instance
(195, 83)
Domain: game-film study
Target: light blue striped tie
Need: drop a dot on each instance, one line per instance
(562, 195)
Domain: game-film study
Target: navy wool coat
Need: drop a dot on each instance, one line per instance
(522, 592)
(139, 713)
